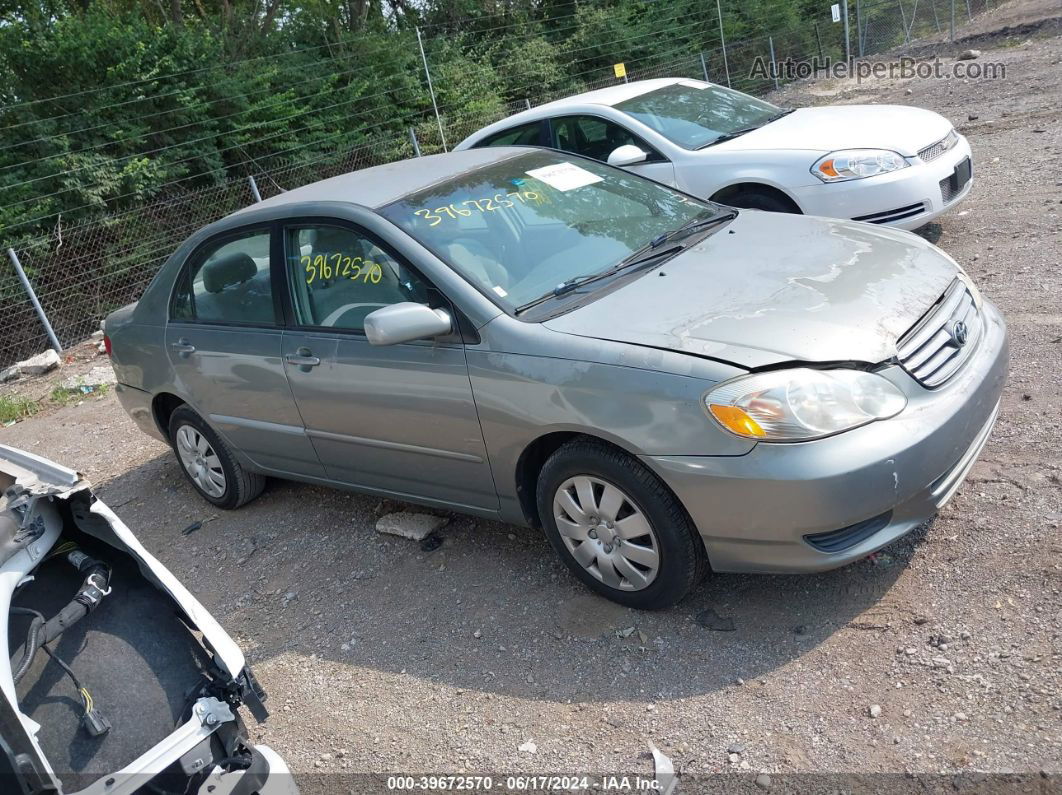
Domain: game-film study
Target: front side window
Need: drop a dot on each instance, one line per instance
(338, 275)
(227, 281)
(592, 136)
(694, 115)
(524, 135)
(541, 219)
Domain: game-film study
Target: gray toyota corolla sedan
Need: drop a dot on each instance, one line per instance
(662, 384)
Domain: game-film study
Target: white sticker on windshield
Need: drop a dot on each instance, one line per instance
(693, 84)
(564, 176)
(500, 291)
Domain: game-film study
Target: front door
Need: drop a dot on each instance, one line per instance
(596, 137)
(224, 344)
(400, 418)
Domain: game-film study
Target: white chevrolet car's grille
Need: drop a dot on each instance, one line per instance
(944, 339)
(935, 150)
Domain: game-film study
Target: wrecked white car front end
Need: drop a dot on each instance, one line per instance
(113, 676)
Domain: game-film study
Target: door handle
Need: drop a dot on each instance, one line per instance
(183, 347)
(303, 359)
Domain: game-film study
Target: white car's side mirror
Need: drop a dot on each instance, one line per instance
(627, 155)
(406, 322)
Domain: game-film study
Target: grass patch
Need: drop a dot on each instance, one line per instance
(16, 407)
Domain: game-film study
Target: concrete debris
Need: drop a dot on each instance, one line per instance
(664, 772)
(101, 375)
(529, 747)
(40, 364)
(10, 374)
(969, 55)
(415, 526)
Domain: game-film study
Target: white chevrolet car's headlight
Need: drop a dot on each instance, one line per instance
(857, 164)
(801, 404)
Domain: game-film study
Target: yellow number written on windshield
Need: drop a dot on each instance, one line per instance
(490, 204)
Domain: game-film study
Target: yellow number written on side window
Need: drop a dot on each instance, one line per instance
(340, 266)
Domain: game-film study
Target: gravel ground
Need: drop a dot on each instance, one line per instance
(941, 655)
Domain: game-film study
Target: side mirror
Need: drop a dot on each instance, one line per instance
(406, 322)
(627, 155)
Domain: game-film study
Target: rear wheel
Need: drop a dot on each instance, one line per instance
(209, 464)
(618, 527)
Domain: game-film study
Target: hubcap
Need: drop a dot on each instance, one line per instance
(200, 461)
(606, 533)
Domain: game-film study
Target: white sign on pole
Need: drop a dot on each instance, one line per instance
(836, 9)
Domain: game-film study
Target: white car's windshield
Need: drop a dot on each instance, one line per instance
(694, 115)
(520, 227)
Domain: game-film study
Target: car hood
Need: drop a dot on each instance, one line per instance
(772, 288)
(827, 129)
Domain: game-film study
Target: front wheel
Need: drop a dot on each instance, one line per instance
(618, 527)
(209, 464)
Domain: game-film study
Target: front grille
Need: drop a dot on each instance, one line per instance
(939, 344)
(935, 150)
(847, 537)
(897, 214)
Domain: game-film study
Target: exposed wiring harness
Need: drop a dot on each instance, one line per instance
(94, 588)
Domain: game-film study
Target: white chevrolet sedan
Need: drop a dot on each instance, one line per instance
(885, 164)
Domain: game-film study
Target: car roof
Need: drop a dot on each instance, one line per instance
(612, 95)
(380, 185)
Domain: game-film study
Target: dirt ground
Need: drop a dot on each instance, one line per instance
(381, 657)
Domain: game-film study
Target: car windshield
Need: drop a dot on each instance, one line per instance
(520, 227)
(694, 115)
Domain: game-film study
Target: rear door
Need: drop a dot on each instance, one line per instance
(598, 137)
(224, 344)
(397, 418)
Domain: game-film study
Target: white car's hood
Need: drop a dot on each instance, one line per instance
(827, 129)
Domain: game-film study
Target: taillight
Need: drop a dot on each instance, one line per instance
(107, 344)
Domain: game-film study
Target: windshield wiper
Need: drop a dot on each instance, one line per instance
(650, 252)
(640, 258)
(736, 133)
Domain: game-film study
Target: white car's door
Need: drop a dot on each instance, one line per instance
(597, 137)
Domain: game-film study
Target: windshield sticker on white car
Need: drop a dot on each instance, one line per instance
(500, 291)
(564, 176)
(693, 84)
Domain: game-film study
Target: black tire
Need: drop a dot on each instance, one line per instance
(753, 199)
(241, 486)
(682, 559)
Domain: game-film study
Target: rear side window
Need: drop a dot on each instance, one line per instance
(227, 281)
(524, 135)
(595, 137)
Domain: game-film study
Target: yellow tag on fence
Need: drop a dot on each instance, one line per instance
(620, 69)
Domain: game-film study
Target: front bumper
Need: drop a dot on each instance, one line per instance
(915, 190)
(754, 511)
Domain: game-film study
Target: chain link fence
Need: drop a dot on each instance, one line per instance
(82, 273)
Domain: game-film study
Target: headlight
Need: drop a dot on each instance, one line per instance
(801, 404)
(857, 164)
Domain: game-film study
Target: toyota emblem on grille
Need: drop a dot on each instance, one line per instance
(959, 333)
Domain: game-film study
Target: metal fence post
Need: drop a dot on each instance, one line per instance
(774, 63)
(951, 34)
(722, 41)
(413, 140)
(818, 40)
(527, 101)
(254, 188)
(969, 12)
(859, 28)
(903, 21)
(704, 67)
(847, 40)
(431, 90)
(33, 300)
(936, 18)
